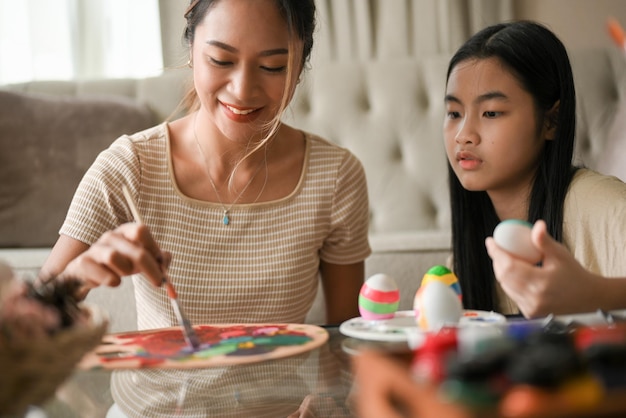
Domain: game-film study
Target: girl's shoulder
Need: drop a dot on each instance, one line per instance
(590, 184)
(585, 177)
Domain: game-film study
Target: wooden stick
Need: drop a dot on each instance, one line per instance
(131, 204)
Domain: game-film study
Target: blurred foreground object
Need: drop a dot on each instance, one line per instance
(44, 333)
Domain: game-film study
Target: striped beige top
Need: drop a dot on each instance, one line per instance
(267, 389)
(263, 266)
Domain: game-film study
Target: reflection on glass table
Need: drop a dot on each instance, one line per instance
(316, 383)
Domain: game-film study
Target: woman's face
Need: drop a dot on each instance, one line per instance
(240, 58)
(490, 130)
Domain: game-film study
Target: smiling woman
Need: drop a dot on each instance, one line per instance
(65, 39)
(247, 214)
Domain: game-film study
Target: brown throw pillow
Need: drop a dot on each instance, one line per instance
(47, 142)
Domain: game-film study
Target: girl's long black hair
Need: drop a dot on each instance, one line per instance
(539, 60)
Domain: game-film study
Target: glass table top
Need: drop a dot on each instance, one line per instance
(318, 382)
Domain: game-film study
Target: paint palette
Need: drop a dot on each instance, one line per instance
(221, 345)
(403, 328)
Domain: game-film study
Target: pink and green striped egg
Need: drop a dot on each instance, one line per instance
(379, 298)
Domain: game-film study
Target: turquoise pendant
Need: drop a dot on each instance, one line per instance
(226, 219)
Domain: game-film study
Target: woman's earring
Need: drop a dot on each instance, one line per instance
(190, 63)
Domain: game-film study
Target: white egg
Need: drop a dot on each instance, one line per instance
(436, 305)
(382, 283)
(513, 235)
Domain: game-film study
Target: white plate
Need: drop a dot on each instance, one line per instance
(403, 328)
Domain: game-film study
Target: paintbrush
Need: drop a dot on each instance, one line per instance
(188, 332)
(617, 33)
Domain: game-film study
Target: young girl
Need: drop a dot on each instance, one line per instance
(509, 137)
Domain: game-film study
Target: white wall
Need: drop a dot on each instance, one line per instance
(578, 23)
(172, 26)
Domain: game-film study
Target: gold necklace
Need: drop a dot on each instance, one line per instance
(225, 217)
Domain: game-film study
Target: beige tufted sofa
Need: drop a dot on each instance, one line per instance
(388, 112)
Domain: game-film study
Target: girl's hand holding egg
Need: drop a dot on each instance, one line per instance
(513, 235)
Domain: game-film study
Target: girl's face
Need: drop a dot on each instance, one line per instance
(491, 134)
(240, 58)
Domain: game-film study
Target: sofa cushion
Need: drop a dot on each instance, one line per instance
(46, 144)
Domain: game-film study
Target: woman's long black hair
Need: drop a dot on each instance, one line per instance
(539, 60)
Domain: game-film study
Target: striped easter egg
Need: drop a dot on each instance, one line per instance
(444, 275)
(379, 297)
